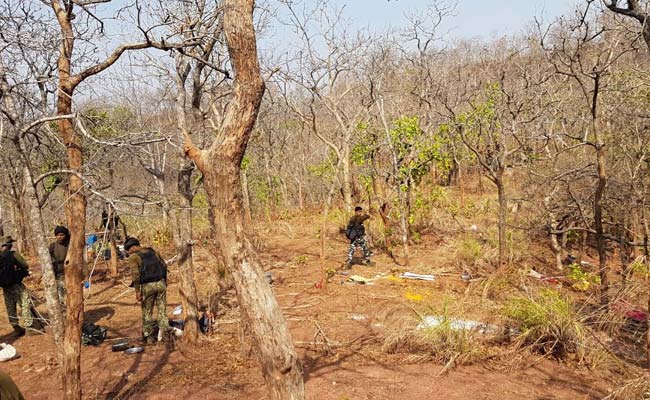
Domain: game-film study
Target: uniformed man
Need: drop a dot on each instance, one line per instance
(13, 269)
(58, 253)
(149, 274)
(356, 233)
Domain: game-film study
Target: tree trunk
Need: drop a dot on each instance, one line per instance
(326, 210)
(55, 313)
(347, 182)
(221, 165)
(598, 225)
(280, 365)
(246, 197)
(114, 257)
(503, 213)
(20, 219)
(183, 240)
(75, 211)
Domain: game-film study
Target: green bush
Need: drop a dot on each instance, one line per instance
(549, 324)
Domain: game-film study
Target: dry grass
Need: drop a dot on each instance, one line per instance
(633, 389)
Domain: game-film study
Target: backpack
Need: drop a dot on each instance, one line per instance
(92, 334)
(8, 274)
(152, 269)
(352, 232)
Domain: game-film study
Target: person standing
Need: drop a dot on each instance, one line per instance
(149, 274)
(58, 253)
(13, 269)
(356, 233)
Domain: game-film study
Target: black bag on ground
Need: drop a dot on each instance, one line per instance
(92, 335)
(8, 274)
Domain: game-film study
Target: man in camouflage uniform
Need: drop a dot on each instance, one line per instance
(58, 253)
(356, 232)
(13, 269)
(149, 274)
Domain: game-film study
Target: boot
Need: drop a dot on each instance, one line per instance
(348, 264)
(19, 331)
(369, 263)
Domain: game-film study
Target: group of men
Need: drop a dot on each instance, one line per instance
(148, 271)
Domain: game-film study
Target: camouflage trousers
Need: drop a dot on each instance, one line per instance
(17, 295)
(359, 242)
(154, 294)
(60, 289)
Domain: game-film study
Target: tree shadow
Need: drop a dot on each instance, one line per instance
(121, 390)
(94, 315)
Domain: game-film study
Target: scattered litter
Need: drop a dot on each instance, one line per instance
(178, 310)
(177, 332)
(535, 274)
(465, 276)
(269, 277)
(359, 279)
(473, 228)
(121, 345)
(431, 321)
(630, 311)
(411, 275)
(8, 352)
(550, 280)
(134, 350)
(358, 317)
(344, 273)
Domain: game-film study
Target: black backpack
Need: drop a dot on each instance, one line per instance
(152, 269)
(92, 334)
(353, 231)
(8, 274)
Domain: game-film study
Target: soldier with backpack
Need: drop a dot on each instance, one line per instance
(149, 274)
(13, 269)
(356, 233)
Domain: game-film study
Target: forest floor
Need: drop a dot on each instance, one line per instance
(339, 331)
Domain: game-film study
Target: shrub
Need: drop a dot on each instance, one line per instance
(440, 342)
(548, 324)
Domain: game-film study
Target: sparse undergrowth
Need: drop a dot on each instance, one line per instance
(549, 324)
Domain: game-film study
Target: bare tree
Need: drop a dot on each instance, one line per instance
(221, 166)
(636, 9)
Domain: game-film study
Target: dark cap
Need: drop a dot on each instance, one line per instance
(358, 208)
(61, 229)
(130, 242)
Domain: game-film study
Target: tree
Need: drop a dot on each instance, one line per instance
(636, 9)
(221, 166)
(75, 208)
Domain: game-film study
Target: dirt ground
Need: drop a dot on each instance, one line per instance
(337, 330)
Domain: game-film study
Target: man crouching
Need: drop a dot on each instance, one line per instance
(149, 274)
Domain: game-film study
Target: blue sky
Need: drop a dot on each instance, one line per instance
(473, 18)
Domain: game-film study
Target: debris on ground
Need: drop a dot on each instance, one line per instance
(432, 321)
(549, 280)
(421, 277)
(358, 317)
(360, 280)
(8, 352)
